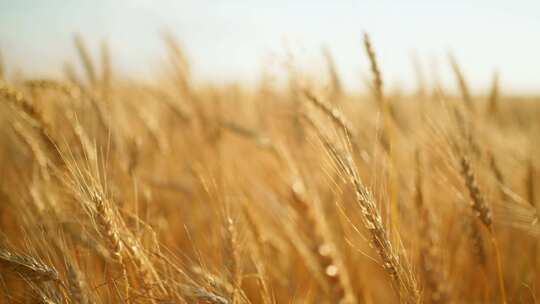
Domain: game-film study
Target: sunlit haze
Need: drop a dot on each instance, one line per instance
(234, 40)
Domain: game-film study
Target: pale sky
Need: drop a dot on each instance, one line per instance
(232, 40)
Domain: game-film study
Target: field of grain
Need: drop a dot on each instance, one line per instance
(171, 190)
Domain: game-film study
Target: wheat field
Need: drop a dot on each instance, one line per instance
(171, 190)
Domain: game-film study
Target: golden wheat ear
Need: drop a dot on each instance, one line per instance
(393, 261)
(464, 143)
(336, 87)
(180, 63)
(462, 82)
(375, 71)
(86, 59)
(493, 98)
(27, 267)
(31, 115)
(2, 67)
(106, 71)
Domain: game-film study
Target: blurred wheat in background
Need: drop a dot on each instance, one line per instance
(115, 189)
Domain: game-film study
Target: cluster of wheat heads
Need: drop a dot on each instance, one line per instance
(116, 190)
